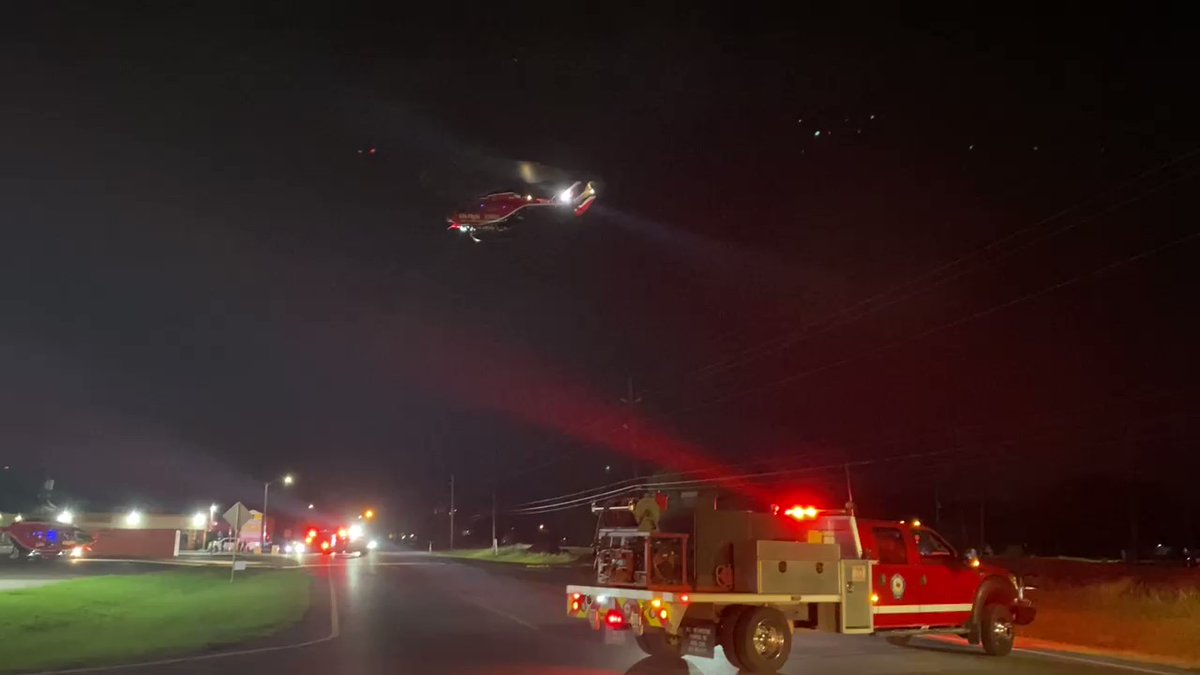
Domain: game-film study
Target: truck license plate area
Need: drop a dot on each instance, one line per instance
(699, 638)
(614, 636)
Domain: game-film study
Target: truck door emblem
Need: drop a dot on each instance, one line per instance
(897, 586)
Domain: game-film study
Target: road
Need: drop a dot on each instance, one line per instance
(413, 613)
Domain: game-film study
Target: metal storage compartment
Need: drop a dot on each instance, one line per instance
(794, 568)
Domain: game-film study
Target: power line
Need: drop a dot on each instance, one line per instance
(950, 324)
(795, 337)
(950, 457)
(839, 318)
(1054, 423)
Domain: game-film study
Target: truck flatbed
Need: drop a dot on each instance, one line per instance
(717, 598)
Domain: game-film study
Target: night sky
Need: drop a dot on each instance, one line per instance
(966, 240)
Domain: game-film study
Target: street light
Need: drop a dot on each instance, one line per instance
(310, 507)
(286, 479)
(133, 518)
(199, 520)
(65, 517)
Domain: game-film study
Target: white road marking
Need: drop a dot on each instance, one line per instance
(1096, 662)
(334, 632)
(1132, 667)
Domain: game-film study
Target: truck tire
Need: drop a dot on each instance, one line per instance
(996, 630)
(658, 643)
(762, 640)
(725, 633)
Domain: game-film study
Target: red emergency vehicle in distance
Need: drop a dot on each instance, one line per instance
(33, 539)
(348, 540)
(327, 541)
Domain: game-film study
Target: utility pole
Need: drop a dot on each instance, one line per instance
(452, 512)
(982, 531)
(849, 490)
(937, 508)
(631, 400)
(495, 542)
(495, 473)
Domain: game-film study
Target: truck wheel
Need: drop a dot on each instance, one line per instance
(996, 630)
(658, 643)
(762, 640)
(725, 633)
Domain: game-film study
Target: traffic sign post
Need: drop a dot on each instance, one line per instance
(237, 516)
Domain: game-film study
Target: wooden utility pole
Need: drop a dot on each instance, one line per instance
(631, 400)
(451, 511)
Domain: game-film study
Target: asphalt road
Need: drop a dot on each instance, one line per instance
(413, 613)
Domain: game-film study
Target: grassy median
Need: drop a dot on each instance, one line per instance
(1123, 615)
(517, 555)
(117, 619)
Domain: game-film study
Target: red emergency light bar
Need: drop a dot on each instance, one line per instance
(797, 512)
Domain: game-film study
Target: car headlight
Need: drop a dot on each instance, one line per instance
(372, 545)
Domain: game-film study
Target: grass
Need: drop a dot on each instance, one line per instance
(516, 555)
(119, 619)
(1126, 615)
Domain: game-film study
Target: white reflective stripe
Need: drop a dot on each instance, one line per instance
(921, 609)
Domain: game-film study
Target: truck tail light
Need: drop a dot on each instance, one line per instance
(685, 598)
(614, 618)
(574, 605)
(874, 598)
(662, 614)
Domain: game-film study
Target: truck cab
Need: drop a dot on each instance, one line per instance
(920, 582)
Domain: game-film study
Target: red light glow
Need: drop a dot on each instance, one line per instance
(801, 512)
(662, 614)
(614, 617)
(685, 598)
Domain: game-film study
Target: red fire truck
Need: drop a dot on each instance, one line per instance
(688, 580)
(43, 540)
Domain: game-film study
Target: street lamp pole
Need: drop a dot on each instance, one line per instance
(262, 535)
